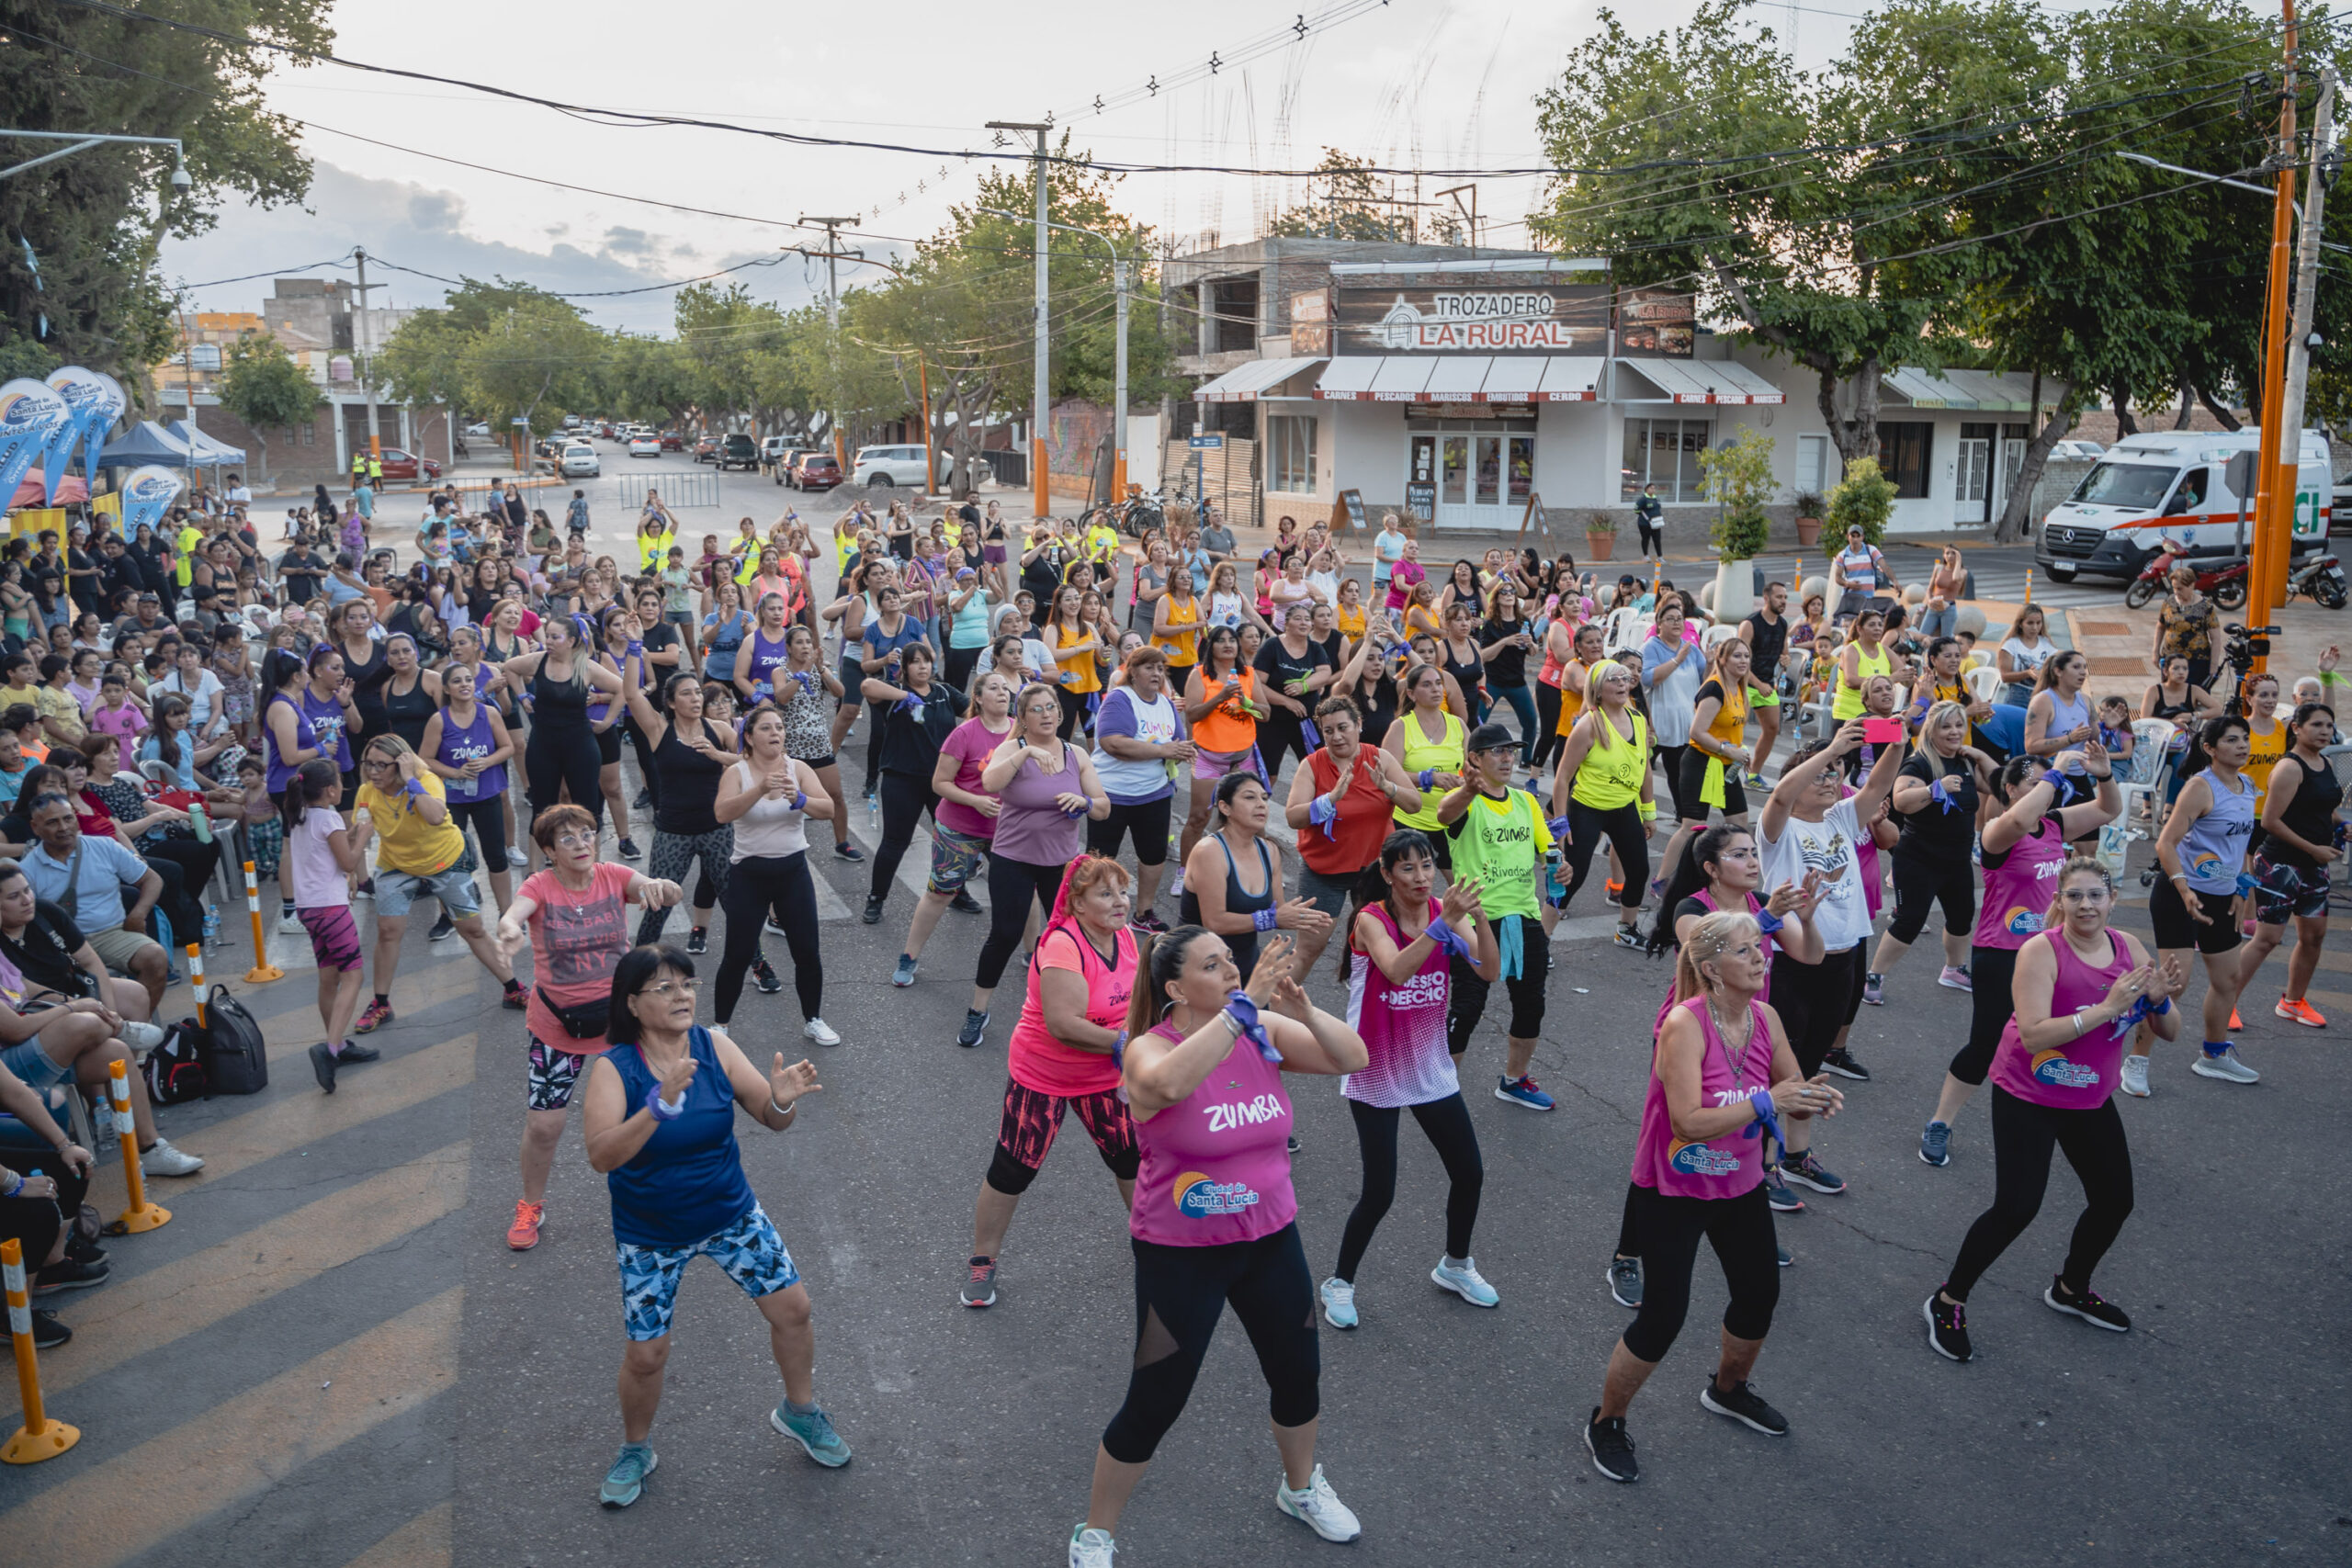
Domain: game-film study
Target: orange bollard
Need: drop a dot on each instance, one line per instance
(196, 976)
(141, 1215)
(2029, 585)
(263, 971)
(40, 1438)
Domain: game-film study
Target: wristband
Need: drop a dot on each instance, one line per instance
(16, 1185)
(1425, 778)
(1649, 810)
(1262, 920)
(1119, 1049)
(1557, 826)
(2054, 779)
(1243, 1011)
(799, 799)
(911, 705)
(1940, 791)
(661, 1108)
(1770, 923)
(1767, 1119)
(636, 650)
(1447, 939)
(416, 788)
(1320, 811)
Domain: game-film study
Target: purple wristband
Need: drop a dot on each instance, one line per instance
(653, 1103)
(1263, 919)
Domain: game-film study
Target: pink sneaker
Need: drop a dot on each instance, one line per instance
(1956, 976)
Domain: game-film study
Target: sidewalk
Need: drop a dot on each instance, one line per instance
(2121, 643)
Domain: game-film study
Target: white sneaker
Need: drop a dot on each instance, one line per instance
(824, 1033)
(516, 858)
(2225, 1066)
(2135, 1076)
(1317, 1507)
(140, 1036)
(162, 1159)
(1465, 1281)
(1091, 1548)
(289, 924)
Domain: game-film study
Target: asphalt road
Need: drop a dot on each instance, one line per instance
(331, 1357)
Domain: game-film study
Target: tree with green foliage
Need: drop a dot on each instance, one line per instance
(1347, 204)
(1738, 479)
(538, 361)
(423, 363)
(266, 390)
(1863, 499)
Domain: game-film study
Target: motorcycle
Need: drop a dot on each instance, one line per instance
(2323, 580)
(2224, 581)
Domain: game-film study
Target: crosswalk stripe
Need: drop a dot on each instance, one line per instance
(423, 1542)
(295, 1014)
(145, 1495)
(154, 1309)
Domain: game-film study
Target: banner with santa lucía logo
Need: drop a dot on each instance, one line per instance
(87, 404)
(146, 494)
(102, 423)
(29, 416)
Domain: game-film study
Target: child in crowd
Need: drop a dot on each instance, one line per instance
(265, 833)
(116, 713)
(321, 864)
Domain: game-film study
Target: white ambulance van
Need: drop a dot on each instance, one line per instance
(2176, 484)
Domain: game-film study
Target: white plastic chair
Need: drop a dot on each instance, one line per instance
(1984, 683)
(2151, 738)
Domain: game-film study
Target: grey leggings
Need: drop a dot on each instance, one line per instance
(673, 855)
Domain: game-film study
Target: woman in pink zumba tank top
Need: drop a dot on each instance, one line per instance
(1396, 963)
(2081, 988)
(1722, 1075)
(1215, 1221)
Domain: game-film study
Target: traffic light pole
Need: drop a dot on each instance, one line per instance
(2262, 594)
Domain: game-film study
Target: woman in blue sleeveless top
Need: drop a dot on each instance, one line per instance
(660, 1124)
(2201, 852)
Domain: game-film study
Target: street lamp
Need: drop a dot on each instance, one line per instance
(1037, 386)
(1119, 373)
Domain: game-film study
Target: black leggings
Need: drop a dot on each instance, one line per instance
(1816, 1000)
(1991, 973)
(1011, 883)
(1621, 826)
(756, 884)
(1280, 737)
(652, 776)
(2024, 1134)
(904, 800)
(557, 757)
(35, 1223)
(1073, 710)
(1922, 877)
(1466, 1001)
(1547, 720)
(1739, 1229)
(1145, 822)
(1181, 1292)
(1446, 1123)
(488, 819)
(877, 712)
(960, 663)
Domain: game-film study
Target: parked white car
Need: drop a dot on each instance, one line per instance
(579, 462)
(478, 428)
(643, 445)
(884, 467)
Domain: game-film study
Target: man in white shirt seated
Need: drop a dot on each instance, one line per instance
(85, 877)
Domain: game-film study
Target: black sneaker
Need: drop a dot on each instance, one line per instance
(2090, 1306)
(1628, 937)
(47, 1333)
(975, 1024)
(1801, 1166)
(1842, 1063)
(629, 850)
(644, 801)
(873, 916)
(355, 1054)
(848, 850)
(764, 977)
(81, 1249)
(1625, 1281)
(698, 940)
(965, 904)
(322, 1066)
(1611, 1447)
(443, 928)
(68, 1275)
(1743, 1406)
(1947, 1327)
(1294, 1143)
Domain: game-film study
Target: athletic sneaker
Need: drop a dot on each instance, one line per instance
(1149, 924)
(1874, 990)
(965, 904)
(524, 1234)
(1958, 978)
(2135, 1076)
(1317, 1507)
(47, 1333)
(289, 923)
(68, 1274)
(159, 1158)
(979, 1286)
(1843, 1064)
(1947, 1326)
(1523, 1092)
(354, 1055)
(372, 1017)
(2090, 1306)
(1612, 1447)
(848, 850)
(2225, 1066)
(2295, 1009)
(975, 1025)
(1802, 1169)
(1781, 1256)
(443, 928)
(624, 1483)
(1744, 1406)
(1778, 1194)
(1339, 1302)
(1628, 937)
(698, 940)
(1465, 1281)
(824, 1033)
(873, 916)
(367, 889)
(1624, 1278)
(1755, 781)
(518, 859)
(1091, 1548)
(771, 928)
(814, 1432)
(904, 975)
(1935, 1143)
(764, 977)
(1176, 883)
(140, 1036)
(322, 1066)
(629, 850)
(2237, 1023)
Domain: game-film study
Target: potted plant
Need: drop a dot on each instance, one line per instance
(1599, 535)
(1809, 505)
(1864, 497)
(1738, 476)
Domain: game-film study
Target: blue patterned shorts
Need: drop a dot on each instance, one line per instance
(749, 1250)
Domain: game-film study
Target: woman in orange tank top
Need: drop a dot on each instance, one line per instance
(1222, 708)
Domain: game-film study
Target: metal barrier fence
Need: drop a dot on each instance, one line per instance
(627, 493)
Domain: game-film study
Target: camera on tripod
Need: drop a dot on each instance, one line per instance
(2242, 646)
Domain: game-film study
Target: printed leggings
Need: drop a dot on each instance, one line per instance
(1446, 1123)
(676, 853)
(757, 885)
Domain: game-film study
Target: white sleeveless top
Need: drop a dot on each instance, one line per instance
(771, 827)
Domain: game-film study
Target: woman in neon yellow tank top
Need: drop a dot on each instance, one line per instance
(1606, 778)
(1857, 662)
(1426, 736)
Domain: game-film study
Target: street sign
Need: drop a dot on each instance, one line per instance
(518, 419)
(1206, 443)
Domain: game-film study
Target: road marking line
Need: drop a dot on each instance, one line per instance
(171, 1301)
(147, 1495)
(442, 982)
(423, 1542)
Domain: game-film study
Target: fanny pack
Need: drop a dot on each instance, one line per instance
(581, 1020)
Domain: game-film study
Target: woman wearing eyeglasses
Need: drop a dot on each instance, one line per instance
(575, 916)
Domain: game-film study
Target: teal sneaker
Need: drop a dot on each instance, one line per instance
(1465, 1281)
(624, 1483)
(1339, 1302)
(813, 1432)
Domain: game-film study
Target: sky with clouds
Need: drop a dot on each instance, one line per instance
(421, 173)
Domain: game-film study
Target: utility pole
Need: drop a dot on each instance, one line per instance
(1037, 390)
(1119, 380)
(366, 375)
(2262, 594)
(833, 324)
(187, 385)
(2279, 557)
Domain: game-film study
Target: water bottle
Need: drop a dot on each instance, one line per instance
(197, 820)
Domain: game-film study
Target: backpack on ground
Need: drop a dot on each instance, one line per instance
(174, 1071)
(238, 1062)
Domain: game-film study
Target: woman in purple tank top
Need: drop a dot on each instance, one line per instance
(2022, 845)
(2080, 988)
(1721, 1075)
(757, 660)
(1214, 1220)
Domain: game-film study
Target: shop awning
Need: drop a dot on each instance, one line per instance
(1460, 378)
(1403, 378)
(1990, 391)
(1571, 379)
(1244, 383)
(1705, 381)
(1347, 378)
